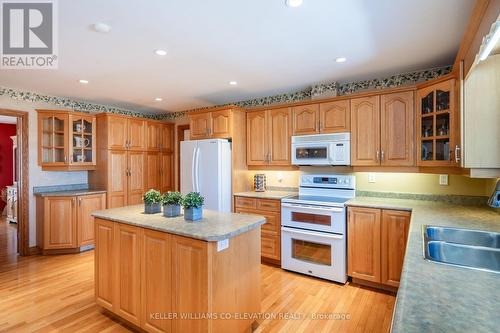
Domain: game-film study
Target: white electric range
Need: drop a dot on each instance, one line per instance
(313, 226)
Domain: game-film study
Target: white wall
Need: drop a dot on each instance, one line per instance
(37, 177)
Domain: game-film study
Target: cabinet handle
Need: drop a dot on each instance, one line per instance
(79, 201)
(378, 155)
(65, 159)
(320, 125)
(382, 155)
(73, 202)
(457, 154)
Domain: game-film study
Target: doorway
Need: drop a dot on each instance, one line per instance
(182, 134)
(14, 203)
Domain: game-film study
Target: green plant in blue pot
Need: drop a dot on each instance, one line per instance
(152, 202)
(192, 204)
(171, 202)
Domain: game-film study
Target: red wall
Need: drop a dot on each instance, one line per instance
(6, 131)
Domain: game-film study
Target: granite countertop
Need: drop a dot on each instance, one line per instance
(69, 193)
(214, 226)
(439, 298)
(267, 194)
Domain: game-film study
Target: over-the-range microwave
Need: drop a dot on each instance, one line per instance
(322, 149)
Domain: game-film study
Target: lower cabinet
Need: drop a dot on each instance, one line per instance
(376, 244)
(162, 282)
(64, 222)
(271, 230)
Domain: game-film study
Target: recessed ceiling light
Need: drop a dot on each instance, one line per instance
(101, 27)
(341, 59)
(158, 99)
(233, 83)
(293, 3)
(161, 52)
(83, 81)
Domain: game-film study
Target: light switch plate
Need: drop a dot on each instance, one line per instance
(443, 179)
(371, 177)
(222, 245)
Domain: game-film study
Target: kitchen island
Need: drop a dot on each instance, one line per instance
(169, 275)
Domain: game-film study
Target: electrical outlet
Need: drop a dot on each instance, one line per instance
(443, 179)
(371, 177)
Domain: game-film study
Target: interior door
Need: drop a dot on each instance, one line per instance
(397, 129)
(280, 132)
(117, 178)
(186, 172)
(136, 177)
(365, 131)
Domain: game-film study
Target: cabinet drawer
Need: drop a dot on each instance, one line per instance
(243, 202)
(269, 204)
(270, 246)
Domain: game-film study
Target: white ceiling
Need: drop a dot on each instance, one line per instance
(266, 47)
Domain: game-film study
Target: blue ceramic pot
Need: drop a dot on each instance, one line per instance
(193, 214)
(171, 210)
(152, 208)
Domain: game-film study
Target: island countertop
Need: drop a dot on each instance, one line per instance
(440, 298)
(214, 226)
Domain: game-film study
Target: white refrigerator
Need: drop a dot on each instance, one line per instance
(206, 168)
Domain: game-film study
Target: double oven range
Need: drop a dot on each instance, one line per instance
(313, 226)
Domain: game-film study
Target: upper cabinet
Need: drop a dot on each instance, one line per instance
(167, 138)
(66, 140)
(382, 130)
(329, 117)
(268, 137)
(120, 132)
(136, 132)
(211, 124)
(437, 130)
(153, 137)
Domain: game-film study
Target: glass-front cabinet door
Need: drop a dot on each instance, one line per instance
(82, 145)
(437, 141)
(53, 148)
(66, 140)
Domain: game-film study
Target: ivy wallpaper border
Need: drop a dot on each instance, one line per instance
(315, 91)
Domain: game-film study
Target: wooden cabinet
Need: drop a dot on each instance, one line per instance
(153, 137)
(66, 141)
(376, 244)
(437, 125)
(397, 129)
(134, 156)
(144, 275)
(305, 119)
(382, 130)
(271, 230)
(127, 298)
(394, 235)
(365, 131)
(136, 177)
(335, 116)
(268, 138)
(153, 171)
(166, 174)
(156, 280)
(211, 124)
(104, 264)
(85, 222)
(64, 222)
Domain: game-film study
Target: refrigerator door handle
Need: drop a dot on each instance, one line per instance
(193, 169)
(197, 170)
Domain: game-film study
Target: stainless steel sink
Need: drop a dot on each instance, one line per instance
(462, 247)
(463, 236)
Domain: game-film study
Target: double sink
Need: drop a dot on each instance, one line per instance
(463, 247)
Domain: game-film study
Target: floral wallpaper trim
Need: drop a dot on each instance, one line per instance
(337, 89)
(315, 91)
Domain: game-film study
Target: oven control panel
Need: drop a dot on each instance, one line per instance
(328, 181)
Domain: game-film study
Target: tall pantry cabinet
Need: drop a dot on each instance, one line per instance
(126, 147)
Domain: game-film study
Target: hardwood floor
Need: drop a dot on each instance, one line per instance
(56, 294)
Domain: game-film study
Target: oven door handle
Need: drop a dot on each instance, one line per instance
(312, 233)
(322, 208)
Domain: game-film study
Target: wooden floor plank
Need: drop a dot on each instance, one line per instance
(56, 294)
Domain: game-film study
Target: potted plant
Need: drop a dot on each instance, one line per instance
(171, 202)
(152, 202)
(192, 204)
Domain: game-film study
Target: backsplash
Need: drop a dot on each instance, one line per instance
(57, 188)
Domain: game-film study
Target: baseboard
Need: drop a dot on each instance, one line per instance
(33, 250)
(375, 285)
